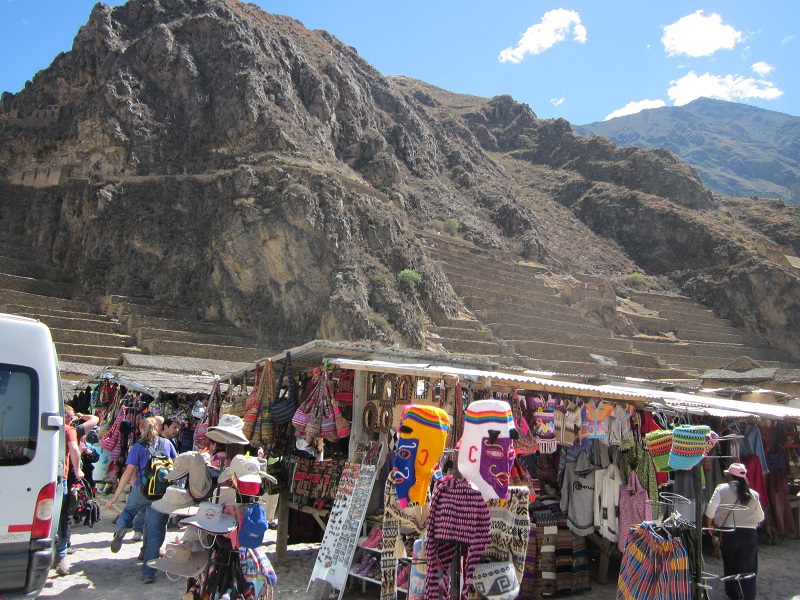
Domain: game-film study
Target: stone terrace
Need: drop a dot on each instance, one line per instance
(516, 317)
(97, 333)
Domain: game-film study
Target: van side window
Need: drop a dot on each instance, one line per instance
(19, 410)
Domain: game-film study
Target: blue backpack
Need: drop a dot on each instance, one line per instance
(253, 527)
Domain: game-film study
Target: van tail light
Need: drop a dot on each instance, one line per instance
(43, 514)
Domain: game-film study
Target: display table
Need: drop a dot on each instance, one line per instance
(284, 505)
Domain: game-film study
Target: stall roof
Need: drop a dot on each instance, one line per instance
(312, 354)
(155, 382)
(180, 364)
(655, 398)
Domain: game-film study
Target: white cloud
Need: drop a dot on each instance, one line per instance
(787, 39)
(557, 101)
(554, 28)
(730, 87)
(762, 69)
(699, 35)
(634, 107)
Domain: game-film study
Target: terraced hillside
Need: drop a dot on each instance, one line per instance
(97, 332)
(522, 314)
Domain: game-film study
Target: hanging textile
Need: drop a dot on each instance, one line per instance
(654, 567)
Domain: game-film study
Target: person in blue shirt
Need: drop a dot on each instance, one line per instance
(155, 522)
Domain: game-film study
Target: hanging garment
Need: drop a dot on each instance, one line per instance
(653, 568)
(458, 519)
(609, 504)
(633, 508)
(755, 477)
(567, 423)
(577, 495)
(597, 410)
(396, 520)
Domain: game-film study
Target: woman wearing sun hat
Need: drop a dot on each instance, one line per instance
(739, 538)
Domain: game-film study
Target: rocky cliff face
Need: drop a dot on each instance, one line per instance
(220, 158)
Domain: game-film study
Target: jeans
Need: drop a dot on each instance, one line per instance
(138, 521)
(155, 531)
(740, 555)
(136, 502)
(64, 526)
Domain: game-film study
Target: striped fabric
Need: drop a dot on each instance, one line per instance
(429, 416)
(659, 443)
(653, 568)
(458, 516)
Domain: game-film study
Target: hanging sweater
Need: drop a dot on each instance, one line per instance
(633, 508)
(608, 504)
(396, 521)
(577, 495)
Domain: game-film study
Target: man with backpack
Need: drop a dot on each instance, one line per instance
(148, 462)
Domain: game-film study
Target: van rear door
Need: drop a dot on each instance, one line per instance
(31, 455)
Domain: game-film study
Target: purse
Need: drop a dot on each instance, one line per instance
(284, 403)
(252, 406)
(526, 442)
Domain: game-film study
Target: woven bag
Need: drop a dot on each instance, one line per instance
(252, 407)
(284, 402)
(659, 444)
(526, 442)
(267, 429)
(342, 424)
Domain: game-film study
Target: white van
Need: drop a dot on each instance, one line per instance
(32, 454)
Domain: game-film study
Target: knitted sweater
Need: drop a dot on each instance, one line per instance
(458, 517)
(396, 521)
(577, 496)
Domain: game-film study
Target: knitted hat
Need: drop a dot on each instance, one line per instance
(659, 444)
(422, 435)
(688, 445)
(458, 515)
(486, 449)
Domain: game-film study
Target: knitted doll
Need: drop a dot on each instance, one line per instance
(486, 449)
(422, 435)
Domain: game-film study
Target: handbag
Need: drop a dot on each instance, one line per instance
(342, 424)
(252, 407)
(521, 477)
(526, 442)
(284, 403)
(267, 429)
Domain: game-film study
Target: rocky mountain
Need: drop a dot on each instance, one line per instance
(218, 158)
(738, 150)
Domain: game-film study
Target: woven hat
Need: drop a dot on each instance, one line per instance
(228, 431)
(496, 580)
(458, 515)
(689, 446)
(195, 466)
(209, 518)
(659, 444)
(187, 559)
(174, 499)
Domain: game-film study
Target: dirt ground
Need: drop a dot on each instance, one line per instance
(97, 574)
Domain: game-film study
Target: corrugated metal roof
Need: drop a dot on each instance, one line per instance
(312, 354)
(752, 375)
(694, 403)
(181, 364)
(155, 382)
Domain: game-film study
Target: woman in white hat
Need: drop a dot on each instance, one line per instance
(738, 530)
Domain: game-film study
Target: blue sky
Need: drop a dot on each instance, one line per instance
(583, 61)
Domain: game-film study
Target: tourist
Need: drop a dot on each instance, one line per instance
(738, 530)
(155, 527)
(72, 474)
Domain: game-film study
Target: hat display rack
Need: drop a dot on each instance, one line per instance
(224, 522)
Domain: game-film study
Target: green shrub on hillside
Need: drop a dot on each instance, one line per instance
(409, 280)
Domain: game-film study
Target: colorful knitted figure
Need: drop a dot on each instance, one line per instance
(422, 435)
(486, 450)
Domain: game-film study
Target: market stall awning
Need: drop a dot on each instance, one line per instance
(154, 382)
(657, 399)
